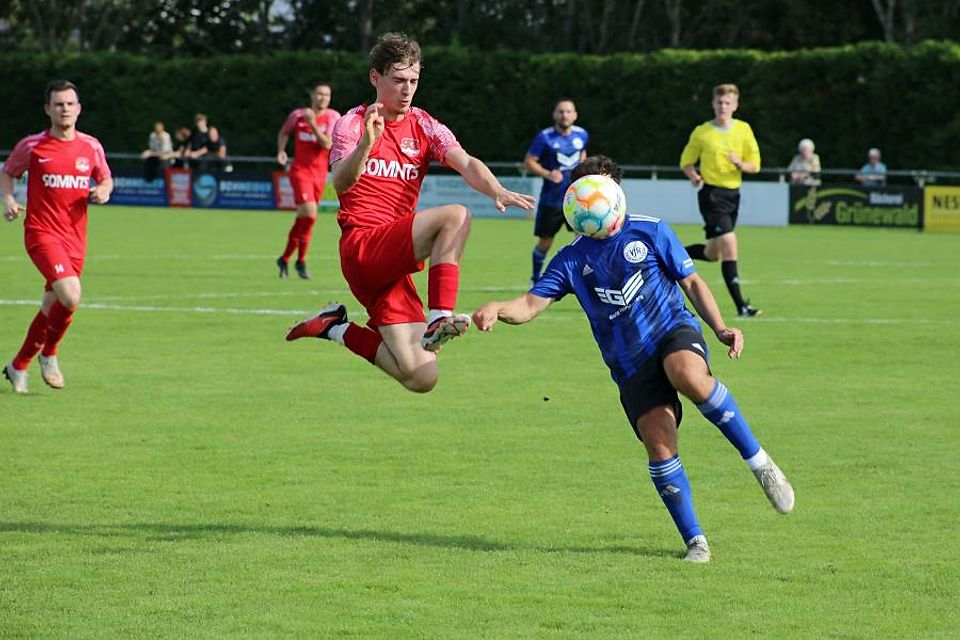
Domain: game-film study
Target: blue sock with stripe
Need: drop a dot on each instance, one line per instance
(538, 258)
(671, 483)
(721, 409)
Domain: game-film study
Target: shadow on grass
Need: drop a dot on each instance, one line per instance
(185, 532)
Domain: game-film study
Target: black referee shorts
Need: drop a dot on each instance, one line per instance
(719, 208)
(650, 387)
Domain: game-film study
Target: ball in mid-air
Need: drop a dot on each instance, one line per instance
(595, 206)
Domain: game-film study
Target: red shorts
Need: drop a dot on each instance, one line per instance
(53, 259)
(377, 263)
(307, 184)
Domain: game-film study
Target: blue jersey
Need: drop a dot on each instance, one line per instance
(627, 286)
(557, 151)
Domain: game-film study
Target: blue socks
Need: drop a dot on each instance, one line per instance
(671, 482)
(723, 412)
(538, 258)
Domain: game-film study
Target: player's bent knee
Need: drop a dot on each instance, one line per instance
(458, 216)
(693, 383)
(420, 383)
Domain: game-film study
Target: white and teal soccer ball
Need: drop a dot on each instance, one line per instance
(595, 206)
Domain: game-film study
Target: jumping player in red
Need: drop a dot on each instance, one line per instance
(61, 162)
(313, 130)
(379, 157)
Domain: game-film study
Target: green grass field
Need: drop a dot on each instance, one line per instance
(202, 478)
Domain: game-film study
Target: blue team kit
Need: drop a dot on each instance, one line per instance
(555, 150)
(627, 286)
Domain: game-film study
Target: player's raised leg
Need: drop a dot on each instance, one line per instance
(394, 348)
(440, 234)
(689, 374)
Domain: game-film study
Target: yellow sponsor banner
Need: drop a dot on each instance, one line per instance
(941, 209)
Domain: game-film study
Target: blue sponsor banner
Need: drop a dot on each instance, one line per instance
(233, 191)
(131, 189)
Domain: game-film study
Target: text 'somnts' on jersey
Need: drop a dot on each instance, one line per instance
(555, 150)
(389, 185)
(58, 184)
(307, 151)
(627, 286)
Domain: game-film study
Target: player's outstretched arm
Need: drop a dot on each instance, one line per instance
(706, 305)
(516, 311)
(480, 178)
(11, 208)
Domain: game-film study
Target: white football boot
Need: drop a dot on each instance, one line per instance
(698, 551)
(776, 486)
(50, 370)
(17, 378)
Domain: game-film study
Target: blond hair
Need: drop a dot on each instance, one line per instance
(724, 89)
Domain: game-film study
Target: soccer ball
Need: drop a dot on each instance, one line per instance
(595, 206)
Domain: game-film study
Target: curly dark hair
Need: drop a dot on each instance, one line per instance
(393, 49)
(598, 166)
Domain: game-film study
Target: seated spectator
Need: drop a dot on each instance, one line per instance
(874, 173)
(805, 166)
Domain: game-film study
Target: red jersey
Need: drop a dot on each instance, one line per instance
(389, 186)
(58, 185)
(307, 152)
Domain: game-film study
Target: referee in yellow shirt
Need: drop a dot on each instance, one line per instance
(726, 149)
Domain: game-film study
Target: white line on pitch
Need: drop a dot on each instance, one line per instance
(559, 315)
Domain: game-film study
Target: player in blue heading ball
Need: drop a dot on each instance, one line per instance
(627, 286)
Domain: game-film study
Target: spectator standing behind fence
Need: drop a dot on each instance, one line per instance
(874, 173)
(159, 148)
(199, 139)
(805, 166)
(182, 136)
(217, 151)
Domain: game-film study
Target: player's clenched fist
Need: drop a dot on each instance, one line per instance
(12, 210)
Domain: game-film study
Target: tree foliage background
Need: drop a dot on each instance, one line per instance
(205, 27)
(493, 69)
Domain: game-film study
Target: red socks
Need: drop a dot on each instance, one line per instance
(443, 284)
(57, 322)
(298, 239)
(306, 231)
(45, 333)
(363, 341)
(36, 336)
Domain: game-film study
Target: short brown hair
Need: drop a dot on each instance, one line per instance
(59, 85)
(393, 49)
(598, 166)
(724, 89)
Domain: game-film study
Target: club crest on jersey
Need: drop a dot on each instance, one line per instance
(83, 164)
(409, 146)
(577, 143)
(635, 252)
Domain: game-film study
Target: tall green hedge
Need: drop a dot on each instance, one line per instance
(638, 108)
